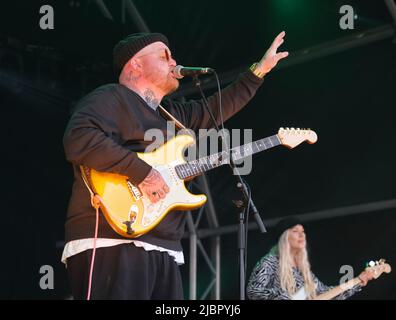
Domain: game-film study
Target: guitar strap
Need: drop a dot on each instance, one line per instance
(178, 124)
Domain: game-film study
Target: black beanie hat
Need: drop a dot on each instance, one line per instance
(129, 46)
(283, 225)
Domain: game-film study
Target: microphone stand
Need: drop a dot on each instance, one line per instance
(243, 205)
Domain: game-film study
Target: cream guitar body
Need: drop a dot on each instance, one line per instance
(127, 210)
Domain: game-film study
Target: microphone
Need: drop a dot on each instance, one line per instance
(180, 71)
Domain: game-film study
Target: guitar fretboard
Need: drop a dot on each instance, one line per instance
(199, 166)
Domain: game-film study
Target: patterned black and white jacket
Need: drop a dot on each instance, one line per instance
(264, 282)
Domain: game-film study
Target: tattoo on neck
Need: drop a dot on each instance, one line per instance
(151, 99)
(132, 78)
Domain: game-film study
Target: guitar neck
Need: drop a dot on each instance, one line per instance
(332, 293)
(196, 167)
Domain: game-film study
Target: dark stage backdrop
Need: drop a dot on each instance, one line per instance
(348, 98)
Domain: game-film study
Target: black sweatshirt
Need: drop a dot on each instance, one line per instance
(106, 130)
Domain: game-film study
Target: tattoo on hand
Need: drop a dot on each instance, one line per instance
(152, 178)
(154, 187)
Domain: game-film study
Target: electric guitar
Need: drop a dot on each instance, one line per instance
(131, 214)
(376, 268)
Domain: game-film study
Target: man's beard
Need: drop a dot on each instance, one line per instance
(167, 85)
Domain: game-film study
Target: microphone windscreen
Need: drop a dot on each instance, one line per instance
(177, 71)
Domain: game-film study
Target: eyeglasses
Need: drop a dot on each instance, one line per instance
(165, 54)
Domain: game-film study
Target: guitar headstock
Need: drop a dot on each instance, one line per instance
(292, 137)
(376, 268)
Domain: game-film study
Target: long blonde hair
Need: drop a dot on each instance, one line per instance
(287, 280)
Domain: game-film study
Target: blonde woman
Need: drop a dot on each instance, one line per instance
(285, 273)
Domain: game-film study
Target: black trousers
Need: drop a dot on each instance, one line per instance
(125, 272)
